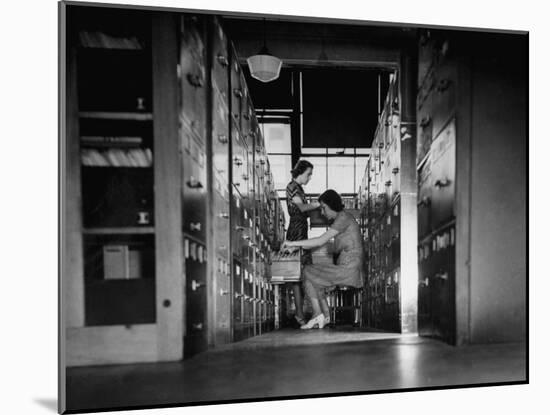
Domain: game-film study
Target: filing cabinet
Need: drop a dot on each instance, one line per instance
(426, 54)
(436, 290)
(237, 94)
(424, 119)
(425, 180)
(444, 95)
(380, 207)
(220, 60)
(194, 191)
(443, 164)
(239, 161)
(192, 72)
(195, 255)
(238, 301)
(220, 135)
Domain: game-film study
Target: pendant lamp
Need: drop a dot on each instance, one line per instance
(264, 66)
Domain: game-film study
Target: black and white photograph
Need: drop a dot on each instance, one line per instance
(275, 209)
(267, 207)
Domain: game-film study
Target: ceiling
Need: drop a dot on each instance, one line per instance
(301, 43)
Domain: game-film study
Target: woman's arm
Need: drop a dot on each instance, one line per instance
(313, 242)
(304, 207)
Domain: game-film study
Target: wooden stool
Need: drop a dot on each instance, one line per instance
(337, 302)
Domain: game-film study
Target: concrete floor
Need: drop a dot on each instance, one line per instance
(288, 363)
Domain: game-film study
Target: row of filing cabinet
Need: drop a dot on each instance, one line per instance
(228, 200)
(436, 174)
(380, 219)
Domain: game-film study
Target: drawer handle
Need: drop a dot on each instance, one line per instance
(442, 183)
(395, 170)
(195, 285)
(237, 161)
(194, 183)
(239, 228)
(197, 326)
(223, 292)
(442, 275)
(388, 183)
(443, 85)
(238, 93)
(238, 295)
(245, 177)
(195, 80)
(195, 226)
(425, 122)
(381, 145)
(222, 138)
(425, 201)
(425, 282)
(224, 215)
(222, 60)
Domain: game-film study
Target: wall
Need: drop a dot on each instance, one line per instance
(498, 193)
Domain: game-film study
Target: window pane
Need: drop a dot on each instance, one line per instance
(360, 165)
(314, 150)
(280, 167)
(318, 182)
(362, 150)
(341, 174)
(332, 150)
(277, 138)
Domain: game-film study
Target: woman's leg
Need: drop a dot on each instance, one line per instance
(298, 300)
(313, 293)
(323, 302)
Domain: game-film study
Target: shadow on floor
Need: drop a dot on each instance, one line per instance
(47, 403)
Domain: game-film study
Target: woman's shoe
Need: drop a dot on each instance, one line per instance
(300, 321)
(315, 322)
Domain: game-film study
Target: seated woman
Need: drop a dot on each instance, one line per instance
(348, 270)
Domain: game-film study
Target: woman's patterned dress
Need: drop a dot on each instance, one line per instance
(297, 227)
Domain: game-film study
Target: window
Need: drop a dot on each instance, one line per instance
(341, 174)
(360, 166)
(277, 138)
(280, 167)
(279, 152)
(318, 182)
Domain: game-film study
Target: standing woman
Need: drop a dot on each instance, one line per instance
(297, 227)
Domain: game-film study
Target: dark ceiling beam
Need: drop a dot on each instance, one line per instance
(306, 52)
(301, 44)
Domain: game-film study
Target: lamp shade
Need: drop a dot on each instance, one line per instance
(264, 67)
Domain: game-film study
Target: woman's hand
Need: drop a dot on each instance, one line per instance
(289, 246)
(315, 205)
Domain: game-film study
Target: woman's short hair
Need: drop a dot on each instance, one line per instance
(300, 168)
(332, 199)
